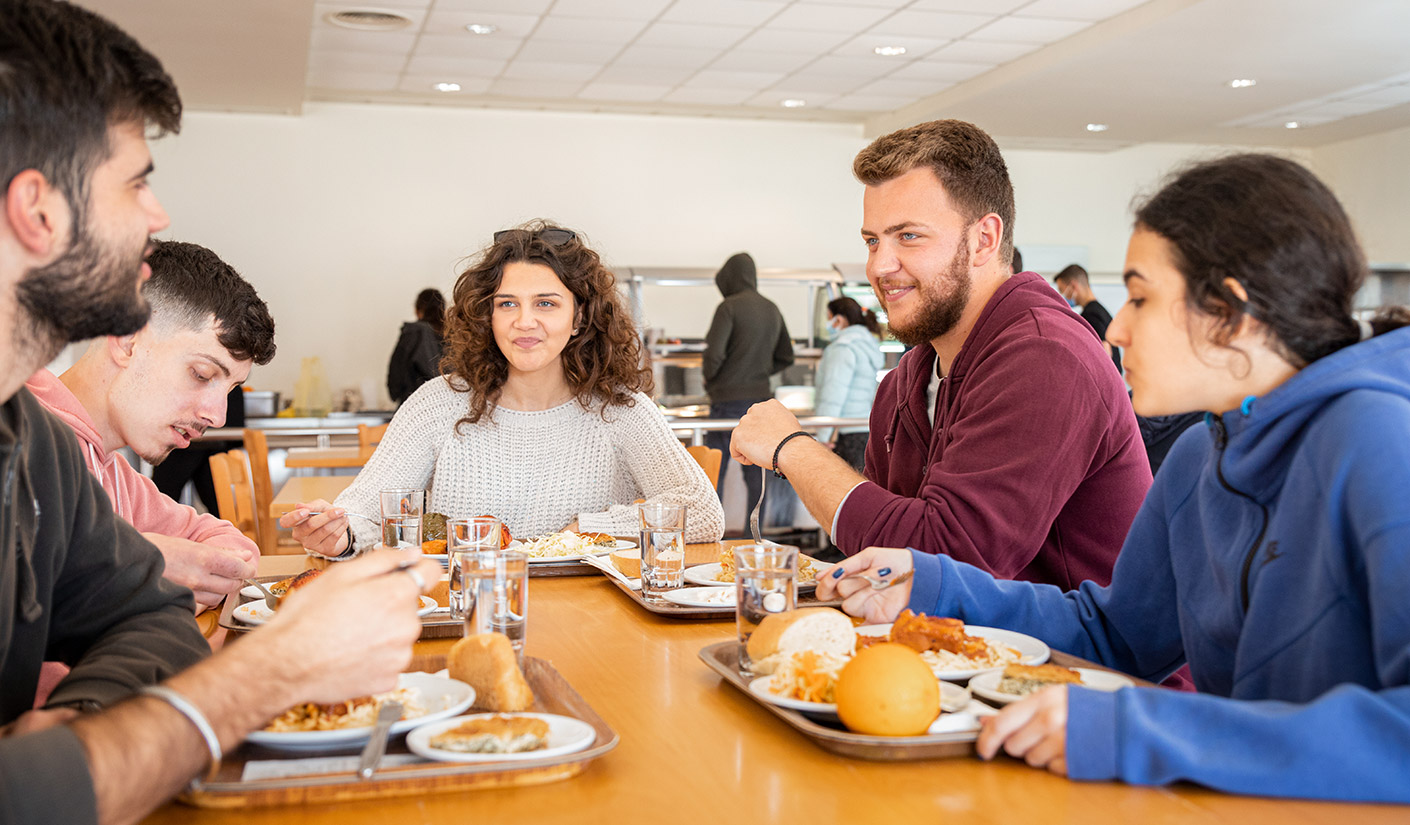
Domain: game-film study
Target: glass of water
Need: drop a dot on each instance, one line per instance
(497, 594)
(401, 518)
(765, 577)
(662, 548)
(465, 536)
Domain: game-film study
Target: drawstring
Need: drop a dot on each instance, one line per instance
(1247, 406)
(100, 470)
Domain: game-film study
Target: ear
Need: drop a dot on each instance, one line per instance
(986, 238)
(37, 213)
(1233, 285)
(121, 349)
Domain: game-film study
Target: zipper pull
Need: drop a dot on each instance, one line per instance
(1221, 435)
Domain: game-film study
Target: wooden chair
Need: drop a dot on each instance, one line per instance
(369, 437)
(709, 460)
(257, 447)
(234, 495)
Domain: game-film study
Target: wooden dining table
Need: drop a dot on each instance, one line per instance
(307, 488)
(327, 457)
(696, 750)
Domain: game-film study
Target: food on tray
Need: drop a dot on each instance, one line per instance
(434, 547)
(494, 734)
(780, 635)
(433, 528)
(807, 574)
(284, 587)
(354, 713)
(599, 539)
(486, 662)
(808, 676)
(1021, 680)
(441, 591)
(504, 538)
(558, 545)
(628, 562)
(944, 645)
(887, 690)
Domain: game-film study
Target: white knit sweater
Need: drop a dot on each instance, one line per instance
(535, 471)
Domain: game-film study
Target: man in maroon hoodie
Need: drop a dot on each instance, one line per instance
(1004, 438)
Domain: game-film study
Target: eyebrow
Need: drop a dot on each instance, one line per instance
(891, 230)
(1131, 274)
(214, 360)
(146, 170)
(539, 295)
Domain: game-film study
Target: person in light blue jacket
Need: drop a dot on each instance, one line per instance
(1272, 553)
(846, 384)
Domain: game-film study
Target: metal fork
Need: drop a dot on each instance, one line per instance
(270, 600)
(882, 584)
(754, 516)
(313, 513)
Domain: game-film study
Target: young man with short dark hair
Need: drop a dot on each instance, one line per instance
(1072, 282)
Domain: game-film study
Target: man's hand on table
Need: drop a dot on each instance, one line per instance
(1033, 729)
(325, 533)
(858, 598)
(350, 632)
(210, 571)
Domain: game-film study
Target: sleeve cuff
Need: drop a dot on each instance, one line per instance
(925, 586)
(1092, 733)
(837, 514)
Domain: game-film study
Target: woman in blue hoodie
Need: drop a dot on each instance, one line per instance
(846, 384)
(1272, 554)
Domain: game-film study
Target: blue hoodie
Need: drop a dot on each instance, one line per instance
(846, 381)
(1273, 555)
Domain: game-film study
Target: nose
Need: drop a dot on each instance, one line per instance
(157, 218)
(882, 261)
(524, 318)
(212, 410)
(1118, 332)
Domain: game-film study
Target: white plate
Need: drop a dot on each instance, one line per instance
(1031, 650)
(704, 575)
(565, 735)
(428, 605)
(987, 684)
(442, 698)
(701, 597)
(253, 613)
(249, 591)
(604, 550)
(952, 698)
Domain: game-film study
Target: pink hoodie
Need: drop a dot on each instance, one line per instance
(134, 496)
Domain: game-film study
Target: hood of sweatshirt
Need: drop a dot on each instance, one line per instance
(1256, 457)
(737, 275)
(59, 400)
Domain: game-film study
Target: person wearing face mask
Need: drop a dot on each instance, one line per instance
(1073, 284)
(846, 384)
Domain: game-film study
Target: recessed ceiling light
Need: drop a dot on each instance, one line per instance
(368, 20)
(447, 87)
(1242, 83)
(890, 51)
(793, 103)
(1096, 127)
(1291, 124)
(481, 28)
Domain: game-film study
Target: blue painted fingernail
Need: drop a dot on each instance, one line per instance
(885, 571)
(837, 574)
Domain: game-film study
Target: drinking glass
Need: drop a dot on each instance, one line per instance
(497, 594)
(662, 548)
(465, 536)
(765, 577)
(401, 518)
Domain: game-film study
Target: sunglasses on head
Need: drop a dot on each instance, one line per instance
(552, 237)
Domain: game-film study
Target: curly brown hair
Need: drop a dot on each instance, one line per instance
(602, 361)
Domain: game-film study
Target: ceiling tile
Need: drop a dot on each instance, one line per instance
(400, 5)
(588, 30)
(827, 18)
(456, 66)
(990, 7)
(888, 87)
(509, 87)
(803, 85)
(619, 91)
(329, 40)
(722, 12)
(772, 99)
(321, 11)
(869, 103)
(425, 84)
(874, 4)
(951, 72)
(439, 45)
(930, 24)
(980, 51)
(454, 23)
(353, 81)
(357, 61)
(643, 75)
(691, 34)
(760, 61)
(857, 67)
(521, 69)
(620, 9)
(1092, 10)
(865, 46)
(510, 6)
(791, 42)
(711, 79)
(1343, 108)
(1029, 30)
(1386, 94)
(568, 51)
(678, 58)
(709, 97)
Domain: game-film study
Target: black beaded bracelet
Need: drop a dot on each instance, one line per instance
(779, 449)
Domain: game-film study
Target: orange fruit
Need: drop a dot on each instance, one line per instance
(887, 690)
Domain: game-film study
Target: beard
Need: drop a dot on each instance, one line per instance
(943, 301)
(90, 291)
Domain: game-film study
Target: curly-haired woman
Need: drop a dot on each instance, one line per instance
(542, 418)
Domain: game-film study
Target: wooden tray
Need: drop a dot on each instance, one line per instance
(433, 625)
(682, 611)
(723, 658)
(552, 694)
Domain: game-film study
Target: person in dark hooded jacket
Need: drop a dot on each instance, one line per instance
(417, 356)
(747, 342)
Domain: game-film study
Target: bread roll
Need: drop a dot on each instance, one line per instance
(627, 561)
(780, 635)
(486, 662)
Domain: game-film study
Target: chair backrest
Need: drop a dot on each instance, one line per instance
(257, 446)
(234, 495)
(709, 460)
(369, 437)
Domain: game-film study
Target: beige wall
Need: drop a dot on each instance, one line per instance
(1371, 176)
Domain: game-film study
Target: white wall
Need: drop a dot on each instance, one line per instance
(340, 216)
(1371, 176)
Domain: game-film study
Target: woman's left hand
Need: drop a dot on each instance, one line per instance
(572, 525)
(1034, 730)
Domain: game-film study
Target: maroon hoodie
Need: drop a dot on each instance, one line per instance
(1037, 467)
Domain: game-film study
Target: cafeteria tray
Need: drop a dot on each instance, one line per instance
(433, 625)
(552, 694)
(682, 611)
